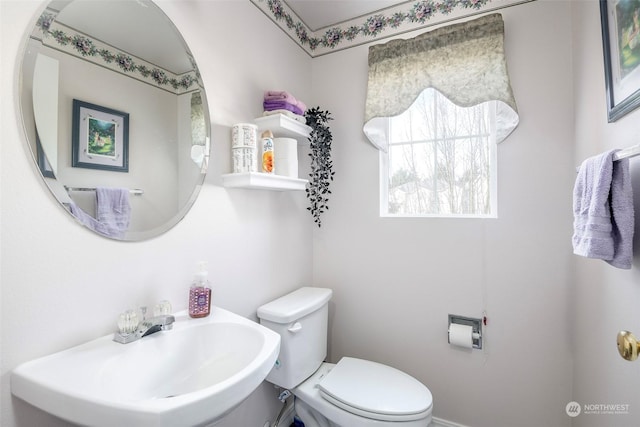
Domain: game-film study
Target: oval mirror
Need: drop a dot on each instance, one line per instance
(115, 115)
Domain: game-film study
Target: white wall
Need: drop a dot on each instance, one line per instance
(395, 280)
(606, 299)
(57, 289)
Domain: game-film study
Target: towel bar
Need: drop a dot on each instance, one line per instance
(135, 191)
(625, 153)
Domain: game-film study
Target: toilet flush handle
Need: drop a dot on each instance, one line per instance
(296, 327)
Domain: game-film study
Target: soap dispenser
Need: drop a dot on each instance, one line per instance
(200, 293)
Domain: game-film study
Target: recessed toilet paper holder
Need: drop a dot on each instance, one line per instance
(476, 327)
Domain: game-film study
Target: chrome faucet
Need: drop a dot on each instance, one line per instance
(146, 327)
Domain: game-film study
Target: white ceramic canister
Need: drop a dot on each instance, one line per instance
(244, 135)
(244, 147)
(244, 159)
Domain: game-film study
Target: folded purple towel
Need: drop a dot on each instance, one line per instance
(281, 95)
(282, 105)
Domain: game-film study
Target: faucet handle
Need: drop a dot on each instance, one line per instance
(143, 311)
(162, 308)
(128, 322)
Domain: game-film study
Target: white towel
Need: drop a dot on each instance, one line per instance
(603, 210)
(287, 113)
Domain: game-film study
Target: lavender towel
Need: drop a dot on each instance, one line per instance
(603, 211)
(86, 219)
(279, 95)
(113, 212)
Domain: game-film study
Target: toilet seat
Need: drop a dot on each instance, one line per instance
(375, 391)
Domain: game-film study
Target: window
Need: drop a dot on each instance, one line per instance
(437, 158)
(441, 160)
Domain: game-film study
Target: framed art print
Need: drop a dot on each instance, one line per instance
(99, 137)
(620, 21)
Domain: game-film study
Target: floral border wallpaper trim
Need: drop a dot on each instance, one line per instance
(60, 37)
(406, 16)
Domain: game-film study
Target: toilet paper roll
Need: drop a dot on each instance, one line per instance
(285, 147)
(286, 156)
(287, 167)
(461, 335)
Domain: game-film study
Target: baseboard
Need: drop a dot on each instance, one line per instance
(439, 422)
(287, 419)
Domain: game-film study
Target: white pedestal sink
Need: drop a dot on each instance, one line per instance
(191, 375)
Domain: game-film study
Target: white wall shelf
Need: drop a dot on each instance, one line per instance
(263, 181)
(283, 127)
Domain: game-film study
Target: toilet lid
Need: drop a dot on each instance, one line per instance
(375, 391)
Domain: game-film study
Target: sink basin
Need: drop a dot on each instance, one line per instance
(191, 375)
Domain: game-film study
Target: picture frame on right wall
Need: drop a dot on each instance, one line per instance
(620, 22)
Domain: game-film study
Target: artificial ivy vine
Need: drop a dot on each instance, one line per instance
(321, 165)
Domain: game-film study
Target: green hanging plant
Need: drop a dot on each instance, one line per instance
(321, 166)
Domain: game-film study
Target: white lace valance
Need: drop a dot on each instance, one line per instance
(465, 62)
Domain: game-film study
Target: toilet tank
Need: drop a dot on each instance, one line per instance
(301, 320)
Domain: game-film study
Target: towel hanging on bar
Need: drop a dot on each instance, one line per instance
(603, 210)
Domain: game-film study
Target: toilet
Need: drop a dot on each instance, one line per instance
(351, 393)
